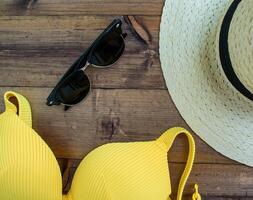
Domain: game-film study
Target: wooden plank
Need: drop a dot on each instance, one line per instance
(40, 39)
(111, 116)
(60, 31)
(81, 7)
(226, 198)
(216, 181)
(205, 197)
(36, 51)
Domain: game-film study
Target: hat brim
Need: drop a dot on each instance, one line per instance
(220, 115)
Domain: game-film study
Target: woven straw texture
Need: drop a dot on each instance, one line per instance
(207, 101)
(241, 44)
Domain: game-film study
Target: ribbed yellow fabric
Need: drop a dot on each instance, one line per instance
(116, 171)
(129, 171)
(28, 168)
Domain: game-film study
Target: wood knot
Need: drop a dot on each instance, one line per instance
(27, 4)
(110, 127)
(150, 56)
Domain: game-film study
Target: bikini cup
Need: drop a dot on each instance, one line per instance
(125, 171)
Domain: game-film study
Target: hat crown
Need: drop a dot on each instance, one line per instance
(240, 40)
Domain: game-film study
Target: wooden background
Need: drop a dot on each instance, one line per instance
(39, 40)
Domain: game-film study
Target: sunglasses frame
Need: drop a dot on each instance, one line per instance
(82, 63)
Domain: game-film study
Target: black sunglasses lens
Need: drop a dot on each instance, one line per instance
(108, 50)
(74, 88)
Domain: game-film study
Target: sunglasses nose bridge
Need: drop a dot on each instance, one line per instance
(112, 39)
(85, 66)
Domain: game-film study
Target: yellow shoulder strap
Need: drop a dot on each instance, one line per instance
(22, 109)
(168, 138)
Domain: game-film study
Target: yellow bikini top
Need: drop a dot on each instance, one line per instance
(117, 171)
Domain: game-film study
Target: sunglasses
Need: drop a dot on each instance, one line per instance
(75, 85)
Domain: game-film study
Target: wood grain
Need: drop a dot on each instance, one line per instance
(110, 116)
(81, 7)
(39, 40)
(44, 48)
(231, 181)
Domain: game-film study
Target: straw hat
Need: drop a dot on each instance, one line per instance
(206, 51)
